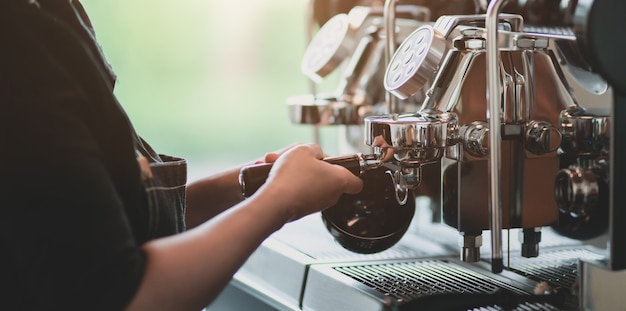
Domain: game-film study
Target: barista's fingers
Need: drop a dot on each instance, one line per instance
(271, 157)
(352, 183)
(355, 185)
(317, 150)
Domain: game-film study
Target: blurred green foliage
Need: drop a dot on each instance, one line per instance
(207, 79)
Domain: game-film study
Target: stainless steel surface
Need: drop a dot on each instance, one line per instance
(415, 63)
(475, 138)
(332, 44)
(495, 151)
(530, 239)
(277, 271)
(390, 285)
(455, 76)
(542, 137)
(423, 263)
(602, 289)
(470, 246)
(577, 191)
(389, 15)
(585, 134)
(355, 43)
(412, 138)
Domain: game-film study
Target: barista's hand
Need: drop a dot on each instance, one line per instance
(271, 157)
(302, 184)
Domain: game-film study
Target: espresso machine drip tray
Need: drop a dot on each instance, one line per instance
(419, 284)
(424, 284)
(558, 267)
(301, 268)
(277, 272)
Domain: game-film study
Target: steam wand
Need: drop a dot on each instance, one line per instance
(493, 100)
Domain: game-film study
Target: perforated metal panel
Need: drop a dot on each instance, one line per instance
(557, 267)
(405, 281)
(522, 307)
(409, 280)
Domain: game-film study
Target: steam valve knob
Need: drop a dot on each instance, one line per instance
(542, 137)
(476, 138)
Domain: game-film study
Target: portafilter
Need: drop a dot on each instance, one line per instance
(368, 222)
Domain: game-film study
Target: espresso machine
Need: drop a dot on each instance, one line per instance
(487, 134)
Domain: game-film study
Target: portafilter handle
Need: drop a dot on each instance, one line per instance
(252, 177)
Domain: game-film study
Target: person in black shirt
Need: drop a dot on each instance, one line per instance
(91, 217)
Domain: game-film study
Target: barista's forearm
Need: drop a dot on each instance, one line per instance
(208, 197)
(188, 270)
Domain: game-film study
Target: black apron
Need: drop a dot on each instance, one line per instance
(165, 179)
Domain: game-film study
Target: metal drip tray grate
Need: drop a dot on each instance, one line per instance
(557, 267)
(522, 307)
(408, 280)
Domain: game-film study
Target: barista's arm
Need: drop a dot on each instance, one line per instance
(214, 194)
(188, 270)
(222, 190)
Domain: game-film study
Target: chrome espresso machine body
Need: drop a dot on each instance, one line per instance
(501, 121)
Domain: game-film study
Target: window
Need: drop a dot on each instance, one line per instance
(207, 80)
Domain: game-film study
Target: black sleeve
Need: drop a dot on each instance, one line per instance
(66, 235)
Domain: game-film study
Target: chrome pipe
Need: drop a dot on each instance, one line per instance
(493, 100)
(389, 14)
(310, 31)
